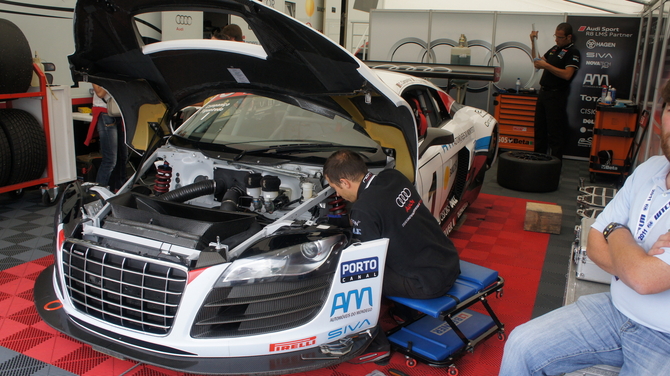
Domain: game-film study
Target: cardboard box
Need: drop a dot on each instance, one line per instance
(543, 218)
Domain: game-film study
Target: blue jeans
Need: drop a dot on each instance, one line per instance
(588, 332)
(112, 171)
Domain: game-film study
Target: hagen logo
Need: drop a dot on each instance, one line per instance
(359, 269)
(343, 300)
(292, 345)
(348, 329)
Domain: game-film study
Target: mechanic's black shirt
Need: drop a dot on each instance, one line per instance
(388, 206)
(567, 56)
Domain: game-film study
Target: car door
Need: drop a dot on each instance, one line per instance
(438, 164)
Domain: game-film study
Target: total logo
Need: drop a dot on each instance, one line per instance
(357, 270)
(592, 43)
(348, 329)
(589, 98)
(344, 300)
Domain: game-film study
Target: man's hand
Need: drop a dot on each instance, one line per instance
(662, 242)
(533, 35)
(540, 63)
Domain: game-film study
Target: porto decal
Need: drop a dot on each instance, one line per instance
(357, 270)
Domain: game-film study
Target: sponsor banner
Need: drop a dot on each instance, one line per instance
(357, 270)
(607, 46)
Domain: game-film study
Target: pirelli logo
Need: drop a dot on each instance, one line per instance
(293, 345)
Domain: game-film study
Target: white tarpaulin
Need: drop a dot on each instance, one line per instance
(534, 6)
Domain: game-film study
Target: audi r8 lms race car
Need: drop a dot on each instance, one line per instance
(226, 252)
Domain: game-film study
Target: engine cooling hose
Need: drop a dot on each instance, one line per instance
(231, 198)
(191, 191)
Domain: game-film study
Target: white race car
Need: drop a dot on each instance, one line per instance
(239, 259)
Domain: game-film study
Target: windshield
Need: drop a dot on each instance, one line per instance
(252, 122)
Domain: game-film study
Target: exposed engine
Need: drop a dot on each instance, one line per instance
(205, 211)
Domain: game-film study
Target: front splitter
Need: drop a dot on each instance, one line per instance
(276, 364)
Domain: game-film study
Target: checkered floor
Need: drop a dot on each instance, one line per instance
(26, 238)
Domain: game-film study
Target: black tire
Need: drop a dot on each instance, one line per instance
(528, 171)
(5, 159)
(16, 62)
(27, 144)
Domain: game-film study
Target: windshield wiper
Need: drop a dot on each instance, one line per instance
(303, 148)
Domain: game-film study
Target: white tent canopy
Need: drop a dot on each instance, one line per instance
(533, 6)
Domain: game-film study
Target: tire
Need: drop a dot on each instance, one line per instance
(16, 62)
(528, 171)
(27, 145)
(5, 159)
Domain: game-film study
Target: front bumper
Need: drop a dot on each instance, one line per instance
(112, 344)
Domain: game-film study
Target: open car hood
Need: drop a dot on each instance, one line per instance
(291, 59)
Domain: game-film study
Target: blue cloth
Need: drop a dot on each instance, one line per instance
(112, 170)
(587, 332)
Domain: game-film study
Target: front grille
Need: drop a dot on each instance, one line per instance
(130, 291)
(261, 308)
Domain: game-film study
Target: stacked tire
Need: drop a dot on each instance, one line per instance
(16, 62)
(23, 147)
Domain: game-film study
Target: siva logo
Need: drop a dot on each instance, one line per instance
(183, 20)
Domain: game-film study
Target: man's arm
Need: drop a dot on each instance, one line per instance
(621, 256)
(565, 74)
(99, 91)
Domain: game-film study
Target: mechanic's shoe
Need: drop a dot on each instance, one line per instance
(379, 351)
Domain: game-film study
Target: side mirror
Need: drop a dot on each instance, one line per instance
(435, 136)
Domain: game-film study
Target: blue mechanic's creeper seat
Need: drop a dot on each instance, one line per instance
(448, 329)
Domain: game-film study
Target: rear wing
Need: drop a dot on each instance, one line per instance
(448, 71)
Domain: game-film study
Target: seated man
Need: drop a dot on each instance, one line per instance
(629, 326)
(421, 262)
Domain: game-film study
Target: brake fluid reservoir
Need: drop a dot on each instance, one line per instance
(270, 187)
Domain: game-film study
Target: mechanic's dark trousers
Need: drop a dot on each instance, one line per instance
(398, 285)
(551, 122)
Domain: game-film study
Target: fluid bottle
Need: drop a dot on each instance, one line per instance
(603, 95)
(518, 85)
(608, 98)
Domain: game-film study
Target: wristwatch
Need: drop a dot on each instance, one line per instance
(611, 227)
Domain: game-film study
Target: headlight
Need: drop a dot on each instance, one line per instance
(289, 261)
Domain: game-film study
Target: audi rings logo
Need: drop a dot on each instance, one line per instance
(183, 20)
(402, 198)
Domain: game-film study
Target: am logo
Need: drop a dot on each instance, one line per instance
(343, 300)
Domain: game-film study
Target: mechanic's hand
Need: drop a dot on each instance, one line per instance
(533, 35)
(540, 63)
(662, 242)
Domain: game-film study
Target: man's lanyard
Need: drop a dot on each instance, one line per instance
(645, 223)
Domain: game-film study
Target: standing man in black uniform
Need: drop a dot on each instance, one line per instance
(560, 64)
(421, 262)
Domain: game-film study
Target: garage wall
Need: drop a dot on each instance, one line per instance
(502, 39)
